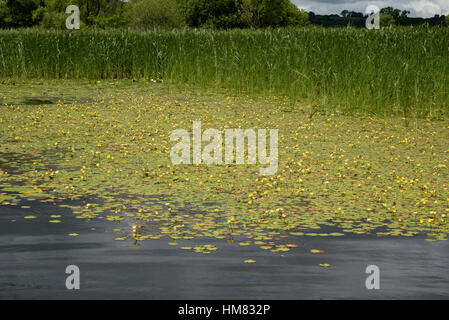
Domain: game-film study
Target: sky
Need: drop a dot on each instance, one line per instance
(417, 8)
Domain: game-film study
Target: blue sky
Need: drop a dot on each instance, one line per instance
(421, 8)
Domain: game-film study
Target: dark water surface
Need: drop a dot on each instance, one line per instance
(35, 253)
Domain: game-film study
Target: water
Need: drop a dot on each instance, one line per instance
(35, 253)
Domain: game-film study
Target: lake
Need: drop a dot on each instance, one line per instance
(35, 253)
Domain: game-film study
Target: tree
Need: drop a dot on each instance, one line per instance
(250, 17)
(391, 11)
(295, 16)
(4, 14)
(19, 13)
(447, 20)
(51, 14)
(353, 14)
(243, 13)
(400, 17)
(386, 20)
(113, 15)
(212, 13)
(154, 13)
(272, 13)
(90, 9)
(101, 13)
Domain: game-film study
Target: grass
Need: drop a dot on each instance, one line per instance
(401, 71)
(337, 174)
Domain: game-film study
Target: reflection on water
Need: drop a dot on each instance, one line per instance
(34, 255)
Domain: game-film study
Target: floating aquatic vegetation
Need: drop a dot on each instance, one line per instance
(249, 261)
(337, 175)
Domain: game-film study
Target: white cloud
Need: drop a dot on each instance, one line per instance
(430, 7)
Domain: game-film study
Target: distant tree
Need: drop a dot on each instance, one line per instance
(386, 20)
(90, 9)
(212, 13)
(250, 17)
(447, 20)
(295, 16)
(101, 13)
(402, 20)
(243, 13)
(51, 13)
(5, 17)
(394, 13)
(19, 13)
(355, 19)
(344, 13)
(391, 11)
(267, 13)
(353, 14)
(115, 14)
(400, 17)
(154, 13)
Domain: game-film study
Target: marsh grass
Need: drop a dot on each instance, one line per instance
(402, 71)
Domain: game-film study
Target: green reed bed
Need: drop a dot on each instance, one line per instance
(401, 70)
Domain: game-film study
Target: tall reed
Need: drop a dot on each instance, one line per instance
(400, 70)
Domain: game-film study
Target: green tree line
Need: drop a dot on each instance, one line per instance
(389, 16)
(144, 14)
